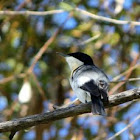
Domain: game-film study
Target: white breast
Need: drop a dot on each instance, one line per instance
(73, 62)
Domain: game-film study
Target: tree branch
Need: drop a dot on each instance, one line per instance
(126, 72)
(12, 77)
(31, 13)
(127, 80)
(45, 118)
(81, 11)
(89, 40)
(106, 19)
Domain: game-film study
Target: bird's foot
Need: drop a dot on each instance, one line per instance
(56, 107)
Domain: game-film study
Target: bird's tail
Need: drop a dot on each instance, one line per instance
(97, 106)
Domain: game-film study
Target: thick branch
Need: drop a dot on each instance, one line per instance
(48, 117)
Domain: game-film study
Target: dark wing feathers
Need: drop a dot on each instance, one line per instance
(91, 87)
(95, 90)
(96, 94)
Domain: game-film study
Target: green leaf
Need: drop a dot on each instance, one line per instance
(66, 6)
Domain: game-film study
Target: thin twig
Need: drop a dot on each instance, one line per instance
(41, 91)
(89, 40)
(22, 5)
(106, 19)
(124, 129)
(127, 80)
(44, 13)
(31, 13)
(116, 87)
(10, 78)
(126, 72)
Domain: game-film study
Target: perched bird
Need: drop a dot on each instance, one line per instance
(88, 82)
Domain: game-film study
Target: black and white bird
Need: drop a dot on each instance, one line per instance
(88, 82)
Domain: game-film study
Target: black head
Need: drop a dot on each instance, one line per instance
(82, 57)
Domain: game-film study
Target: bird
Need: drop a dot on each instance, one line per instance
(88, 82)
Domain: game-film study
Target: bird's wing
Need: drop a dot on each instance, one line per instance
(92, 80)
(97, 104)
(91, 87)
(99, 89)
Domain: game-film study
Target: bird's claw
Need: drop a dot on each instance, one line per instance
(56, 107)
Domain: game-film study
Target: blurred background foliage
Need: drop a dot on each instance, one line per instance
(116, 50)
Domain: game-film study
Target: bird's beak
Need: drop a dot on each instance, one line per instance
(61, 54)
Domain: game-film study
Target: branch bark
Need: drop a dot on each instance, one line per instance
(45, 118)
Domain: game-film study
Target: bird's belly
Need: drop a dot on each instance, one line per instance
(82, 95)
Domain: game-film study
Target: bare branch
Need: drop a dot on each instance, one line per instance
(45, 118)
(84, 12)
(22, 5)
(106, 19)
(127, 80)
(31, 13)
(89, 40)
(133, 63)
(126, 72)
(41, 91)
(129, 125)
(10, 78)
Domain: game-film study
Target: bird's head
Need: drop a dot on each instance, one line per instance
(77, 59)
